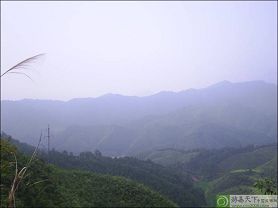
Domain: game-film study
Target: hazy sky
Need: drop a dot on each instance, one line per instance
(135, 48)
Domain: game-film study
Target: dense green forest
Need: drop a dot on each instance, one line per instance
(175, 185)
(226, 170)
(189, 178)
(47, 185)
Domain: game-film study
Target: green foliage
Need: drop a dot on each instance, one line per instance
(168, 156)
(106, 191)
(249, 159)
(266, 186)
(37, 181)
(212, 164)
(235, 171)
(49, 186)
(175, 185)
(269, 169)
(231, 180)
(223, 171)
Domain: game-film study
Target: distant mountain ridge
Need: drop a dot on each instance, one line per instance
(223, 114)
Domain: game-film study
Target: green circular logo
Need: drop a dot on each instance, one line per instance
(222, 201)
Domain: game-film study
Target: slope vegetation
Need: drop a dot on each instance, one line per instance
(221, 171)
(50, 186)
(175, 185)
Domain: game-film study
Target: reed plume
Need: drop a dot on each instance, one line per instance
(22, 65)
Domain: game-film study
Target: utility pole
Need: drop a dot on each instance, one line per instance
(48, 142)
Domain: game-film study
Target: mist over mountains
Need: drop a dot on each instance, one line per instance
(224, 114)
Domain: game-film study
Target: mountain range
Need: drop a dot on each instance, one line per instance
(221, 115)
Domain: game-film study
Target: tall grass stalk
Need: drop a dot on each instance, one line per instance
(19, 175)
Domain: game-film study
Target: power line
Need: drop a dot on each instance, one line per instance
(48, 141)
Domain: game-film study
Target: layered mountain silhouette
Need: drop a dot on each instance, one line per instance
(223, 114)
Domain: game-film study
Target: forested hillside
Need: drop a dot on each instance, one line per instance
(226, 170)
(50, 186)
(175, 185)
